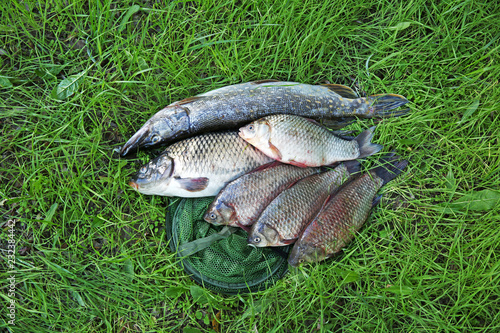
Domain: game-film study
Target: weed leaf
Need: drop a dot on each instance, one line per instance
(479, 200)
(198, 295)
(48, 73)
(191, 330)
(68, 86)
(175, 292)
(450, 180)
(131, 11)
(128, 269)
(5, 82)
(470, 110)
(400, 26)
(347, 276)
(399, 290)
(143, 65)
(79, 299)
(51, 212)
(259, 306)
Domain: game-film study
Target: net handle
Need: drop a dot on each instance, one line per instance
(188, 249)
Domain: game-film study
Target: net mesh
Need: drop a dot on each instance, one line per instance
(228, 265)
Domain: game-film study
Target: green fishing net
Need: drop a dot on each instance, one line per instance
(218, 257)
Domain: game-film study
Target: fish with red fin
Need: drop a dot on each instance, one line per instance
(285, 217)
(198, 167)
(343, 214)
(299, 141)
(241, 201)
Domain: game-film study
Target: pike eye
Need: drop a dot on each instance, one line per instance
(155, 138)
(256, 240)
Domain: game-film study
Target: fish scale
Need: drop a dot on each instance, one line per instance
(199, 166)
(233, 106)
(242, 201)
(286, 216)
(302, 142)
(257, 101)
(345, 215)
(342, 216)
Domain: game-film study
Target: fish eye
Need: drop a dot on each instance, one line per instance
(250, 127)
(256, 239)
(155, 138)
(143, 169)
(212, 216)
(301, 261)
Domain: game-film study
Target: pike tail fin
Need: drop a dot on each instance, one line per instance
(366, 148)
(382, 105)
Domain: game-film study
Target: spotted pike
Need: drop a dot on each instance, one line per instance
(305, 143)
(343, 215)
(233, 106)
(242, 201)
(285, 217)
(198, 167)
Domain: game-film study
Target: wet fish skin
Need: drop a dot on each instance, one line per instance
(305, 143)
(343, 215)
(235, 105)
(241, 202)
(284, 218)
(198, 167)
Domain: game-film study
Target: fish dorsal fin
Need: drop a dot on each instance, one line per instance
(343, 91)
(188, 100)
(264, 81)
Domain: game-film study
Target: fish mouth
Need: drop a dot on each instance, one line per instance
(135, 141)
(134, 185)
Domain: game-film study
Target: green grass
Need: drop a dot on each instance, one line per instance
(92, 254)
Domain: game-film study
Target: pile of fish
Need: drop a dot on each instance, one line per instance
(279, 177)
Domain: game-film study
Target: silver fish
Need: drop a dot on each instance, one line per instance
(242, 201)
(198, 167)
(233, 106)
(286, 216)
(305, 143)
(343, 215)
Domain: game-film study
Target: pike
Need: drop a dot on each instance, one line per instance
(343, 215)
(233, 106)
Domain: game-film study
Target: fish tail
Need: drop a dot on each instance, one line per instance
(352, 166)
(366, 148)
(391, 169)
(382, 105)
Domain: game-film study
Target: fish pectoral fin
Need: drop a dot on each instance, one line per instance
(247, 228)
(193, 184)
(188, 100)
(288, 241)
(298, 164)
(264, 81)
(266, 166)
(343, 91)
(337, 123)
(275, 151)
